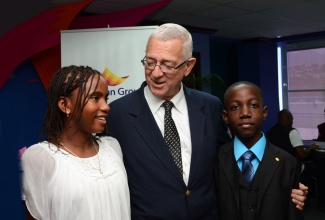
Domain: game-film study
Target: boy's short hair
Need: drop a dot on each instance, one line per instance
(242, 83)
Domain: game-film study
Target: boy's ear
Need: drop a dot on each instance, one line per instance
(64, 106)
(265, 112)
(225, 117)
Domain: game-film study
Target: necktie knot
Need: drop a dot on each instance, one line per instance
(168, 105)
(248, 155)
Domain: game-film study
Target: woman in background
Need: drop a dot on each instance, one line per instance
(76, 174)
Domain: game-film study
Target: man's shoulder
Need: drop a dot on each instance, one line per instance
(294, 131)
(199, 93)
(279, 128)
(202, 97)
(125, 99)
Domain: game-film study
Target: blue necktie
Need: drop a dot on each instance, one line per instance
(247, 167)
(171, 135)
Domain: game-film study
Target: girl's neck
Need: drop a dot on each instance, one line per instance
(81, 145)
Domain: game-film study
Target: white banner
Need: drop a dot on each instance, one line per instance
(115, 52)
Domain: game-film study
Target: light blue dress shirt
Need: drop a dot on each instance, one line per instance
(257, 149)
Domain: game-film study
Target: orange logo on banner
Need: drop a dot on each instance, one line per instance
(112, 79)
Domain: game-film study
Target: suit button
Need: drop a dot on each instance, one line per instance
(188, 193)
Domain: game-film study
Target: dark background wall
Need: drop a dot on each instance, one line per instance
(257, 63)
(21, 115)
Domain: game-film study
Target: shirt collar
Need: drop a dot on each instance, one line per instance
(258, 148)
(155, 102)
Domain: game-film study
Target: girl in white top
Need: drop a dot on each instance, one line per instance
(75, 174)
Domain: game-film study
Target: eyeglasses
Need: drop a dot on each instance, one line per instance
(151, 65)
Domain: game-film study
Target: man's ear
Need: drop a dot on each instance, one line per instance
(64, 106)
(189, 65)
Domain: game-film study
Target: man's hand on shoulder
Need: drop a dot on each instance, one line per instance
(299, 196)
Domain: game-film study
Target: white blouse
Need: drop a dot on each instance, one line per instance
(59, 186)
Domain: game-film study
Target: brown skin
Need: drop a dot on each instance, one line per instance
(245, 113)
(76, 138)
(302, 154)
(162, 85)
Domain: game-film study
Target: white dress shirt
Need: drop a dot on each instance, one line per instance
(180, 117)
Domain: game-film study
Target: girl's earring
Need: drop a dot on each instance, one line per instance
(68, 114)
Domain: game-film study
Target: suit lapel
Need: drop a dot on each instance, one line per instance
(269, 166)
(197, 124)
(229, 166)
(148, 129)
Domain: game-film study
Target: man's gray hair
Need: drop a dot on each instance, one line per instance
(171, 31)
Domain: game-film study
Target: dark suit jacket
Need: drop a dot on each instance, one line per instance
(277, 178)
(156, 186)
(321, 132)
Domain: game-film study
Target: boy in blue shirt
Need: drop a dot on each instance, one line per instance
(254, 178)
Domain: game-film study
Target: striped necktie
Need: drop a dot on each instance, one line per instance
(247, 167)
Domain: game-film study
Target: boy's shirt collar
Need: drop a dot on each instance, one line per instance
(258, 148)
